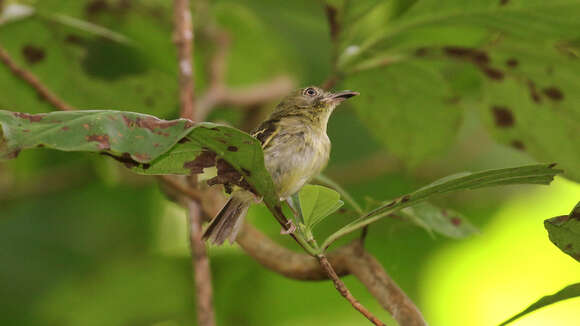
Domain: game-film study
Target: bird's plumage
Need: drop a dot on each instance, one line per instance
(296, 148)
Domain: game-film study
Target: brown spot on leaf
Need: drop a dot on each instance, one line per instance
(227, 175)
(392, 203)
(575, 214)
(518, 144)
(65, 128)
(421, 52)
(493, 73)
(456, 221)
(552, 165)
(153, 123)
(96, 6)
(103, 141)
(26, 130)
(74, 39)
(232, 148)
(33, 54)
(86, 126)
(553, 93)
(503, 2)
(405, 198)
(204, 160)
(444, 212)
(568, 247)
(29, 117)
(475, 56)
(503, 116)
(512, 62)
(246, 172)
(222, 140)
(184, 140)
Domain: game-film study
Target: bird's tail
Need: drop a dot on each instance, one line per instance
(228, 221)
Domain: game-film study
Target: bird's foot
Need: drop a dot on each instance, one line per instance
(290, 228)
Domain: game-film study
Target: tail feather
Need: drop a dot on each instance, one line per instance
(228, 221)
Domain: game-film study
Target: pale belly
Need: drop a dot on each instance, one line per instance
(293, 161)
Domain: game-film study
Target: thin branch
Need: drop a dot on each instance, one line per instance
(349, 259)
(341, 287)
(34, 82)
(183, 38)
(202, 273)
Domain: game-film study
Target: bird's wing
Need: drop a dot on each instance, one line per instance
(266, 131)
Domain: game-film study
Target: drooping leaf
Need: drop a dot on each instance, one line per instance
(138, 137)
(571, 291)
(531, 174)
(146, 145)
(564, 232)
(443, 221)
(318, 202)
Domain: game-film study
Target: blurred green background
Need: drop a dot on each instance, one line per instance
(85, 242)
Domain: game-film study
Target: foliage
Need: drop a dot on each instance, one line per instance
(564, 232)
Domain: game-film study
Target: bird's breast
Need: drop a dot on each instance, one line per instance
(295, 156)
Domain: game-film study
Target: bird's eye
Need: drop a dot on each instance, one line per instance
(310, 92)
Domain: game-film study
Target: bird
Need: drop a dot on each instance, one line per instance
(296, 148)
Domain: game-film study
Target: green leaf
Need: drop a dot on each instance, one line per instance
(571, 291)
(407, 107)
(531, 174)
(444, 221)
(145, 144)
(564, 232)
(318, 202)
(138, 137)
(535, 107)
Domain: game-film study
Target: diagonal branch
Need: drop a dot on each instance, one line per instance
(34, 82)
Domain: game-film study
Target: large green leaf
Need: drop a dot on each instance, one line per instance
(145, 144)
(87, 70)
(407, 106)
(571, 291)
(564, 232)
(517, 57)
(141, 137)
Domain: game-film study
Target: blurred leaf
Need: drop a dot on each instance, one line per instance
(571, 291)
(86, 70)
(531, 174)
(407, 106)
(441, 220)
(564, 232)
(318, 202)
(534, 106)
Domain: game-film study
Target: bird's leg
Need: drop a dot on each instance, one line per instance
(294, 204)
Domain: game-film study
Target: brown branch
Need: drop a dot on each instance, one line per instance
(202, 273)
(34, 82)
(341, 287)
(183, 38)
(348, 259)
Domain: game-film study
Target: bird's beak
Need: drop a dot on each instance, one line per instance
(341, 96)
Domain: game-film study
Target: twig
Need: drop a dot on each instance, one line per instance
(341, 287)
(34, 82)
(349, 259)
(202, 274)
(183, 38)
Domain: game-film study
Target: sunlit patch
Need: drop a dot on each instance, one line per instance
(486, 280)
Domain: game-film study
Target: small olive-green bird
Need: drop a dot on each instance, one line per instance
(296, 148)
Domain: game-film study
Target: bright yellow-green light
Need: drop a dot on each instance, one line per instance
(487, 279)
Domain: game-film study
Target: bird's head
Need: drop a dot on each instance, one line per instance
(312, 100)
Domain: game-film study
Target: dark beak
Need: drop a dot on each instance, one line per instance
(341, 96)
